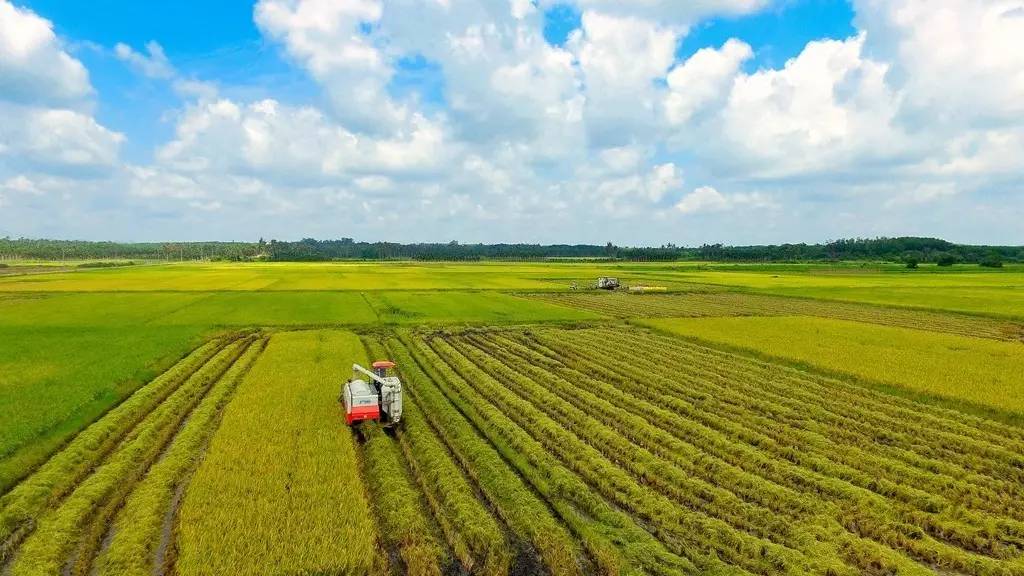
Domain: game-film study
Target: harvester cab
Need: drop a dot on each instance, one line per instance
(379, 399)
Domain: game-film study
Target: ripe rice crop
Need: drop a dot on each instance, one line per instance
(279, 489)
(725, 304)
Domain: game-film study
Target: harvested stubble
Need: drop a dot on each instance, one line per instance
(868, 482)
(279, 489)
(67, 534)
(404, 521)
(705, 540)
(725, 304)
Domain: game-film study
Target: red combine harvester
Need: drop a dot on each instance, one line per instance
(378, 400)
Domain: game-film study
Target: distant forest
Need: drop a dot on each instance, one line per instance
(906, 250)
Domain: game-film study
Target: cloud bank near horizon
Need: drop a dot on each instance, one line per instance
(914, 124)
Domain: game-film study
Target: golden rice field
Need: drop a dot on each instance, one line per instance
(717, 304)
(562, 433)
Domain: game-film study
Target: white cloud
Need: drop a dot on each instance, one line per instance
(702, 83)
(921, 112)
(958, 61)
(922, 194)
(330, 39)
(707, 199)
(45, 96)
(154, 64)
(676, 12)
(620, 57)
(59, 139)
(34, 68)
(827, 110)
(283, 143)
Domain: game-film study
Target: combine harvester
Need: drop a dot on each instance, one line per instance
(379, 400)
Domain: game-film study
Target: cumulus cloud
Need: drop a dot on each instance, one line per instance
(333, 40)
(283, 143)
(57, 139)
(34, 68)
(704, 81)
(707, 199)
(45, 97)
(620, 57)
(673, 11)
(921, 109)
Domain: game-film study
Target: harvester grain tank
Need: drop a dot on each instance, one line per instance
(379, 399)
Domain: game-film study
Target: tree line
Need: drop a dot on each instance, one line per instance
(906, 249)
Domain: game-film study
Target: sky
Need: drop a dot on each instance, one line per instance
(543, 121)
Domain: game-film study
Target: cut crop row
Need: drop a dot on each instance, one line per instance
(620, 362)
(20, 507)
(636, 446)
(776, 471)
(955, 529)
(472, 533)
(140, 540)
(67, 535)
(935, 433)
(612, 541)
(701, 538)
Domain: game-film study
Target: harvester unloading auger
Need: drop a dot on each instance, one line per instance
(379, 400)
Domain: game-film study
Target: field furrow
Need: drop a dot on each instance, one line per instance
(967, 529)
(67, 535)
(971, 538)
(139, 538)
(946, 436)
(22, 505)
(632, 451)
(702, 538)
(474, 536)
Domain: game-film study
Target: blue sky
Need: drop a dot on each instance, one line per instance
(511, 120)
